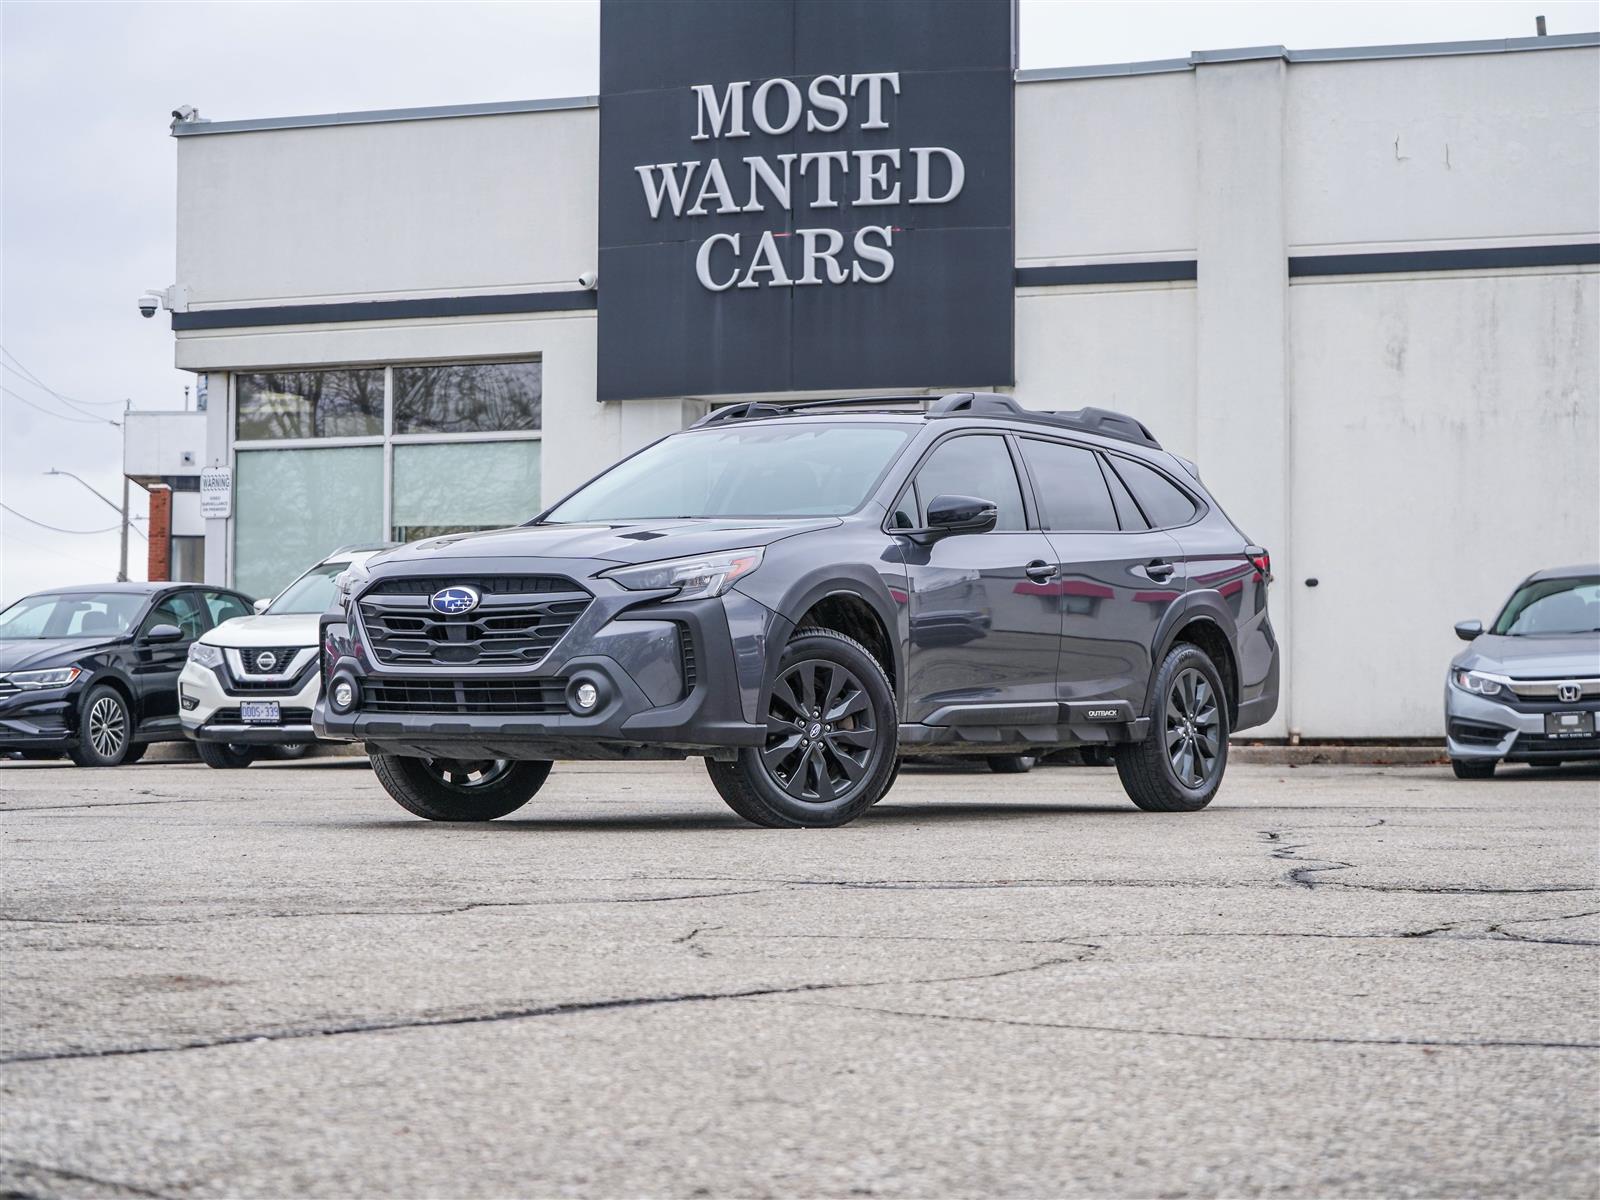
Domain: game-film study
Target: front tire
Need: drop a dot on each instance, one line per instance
(1179, 766)
(105, 730)
(1473, 768)
(225, 756)
(448, 789)
(832, 739)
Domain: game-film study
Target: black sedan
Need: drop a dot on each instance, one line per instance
(92, 671)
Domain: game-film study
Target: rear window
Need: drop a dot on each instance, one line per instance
(1165, 504)
(1069, 486)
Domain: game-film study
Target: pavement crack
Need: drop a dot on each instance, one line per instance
(1140, 1031)
(62, 1174)
(568, 1008)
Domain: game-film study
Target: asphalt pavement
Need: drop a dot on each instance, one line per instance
(1336, 981)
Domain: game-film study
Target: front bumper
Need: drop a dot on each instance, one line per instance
(42, 719)
(209, 709)
(675, 680)
(1483, 729)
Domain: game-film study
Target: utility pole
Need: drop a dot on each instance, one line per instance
(122, 560)
(122, 570)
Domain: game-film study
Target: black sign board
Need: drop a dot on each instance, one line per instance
(804, 195)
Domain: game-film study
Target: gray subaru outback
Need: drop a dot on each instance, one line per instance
(803, 596)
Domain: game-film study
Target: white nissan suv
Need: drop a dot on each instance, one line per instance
(250, 683)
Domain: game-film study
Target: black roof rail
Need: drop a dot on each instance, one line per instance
(1099, 421)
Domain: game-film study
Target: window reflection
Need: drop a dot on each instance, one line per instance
(309, 404)
(468, 398)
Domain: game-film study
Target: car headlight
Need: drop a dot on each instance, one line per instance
(350, 581)
(203, 654)
(696, 578)
(54, 677)
(1480, 684)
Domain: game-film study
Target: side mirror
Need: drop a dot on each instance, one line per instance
(1467, 630)
(261, 605)
(960, 514)
(163, 633)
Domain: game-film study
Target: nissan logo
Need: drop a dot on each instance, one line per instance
(266, 660)
(1570, 692)
(452, 601)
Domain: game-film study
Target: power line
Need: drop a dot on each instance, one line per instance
(86, 419)
(58, 529)
(21, 369)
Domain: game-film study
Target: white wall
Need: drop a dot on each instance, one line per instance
(154, 443)
(500, 203)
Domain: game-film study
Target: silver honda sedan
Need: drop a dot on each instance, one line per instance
(1527, 689)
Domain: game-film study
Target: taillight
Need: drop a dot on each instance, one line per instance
(1261, 560)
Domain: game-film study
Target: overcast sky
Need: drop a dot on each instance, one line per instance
(87, 171)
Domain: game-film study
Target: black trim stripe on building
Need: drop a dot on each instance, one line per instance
(1574, 254)
(1111, 272)
(383, 310)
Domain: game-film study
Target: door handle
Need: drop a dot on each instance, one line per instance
(1039, 570)
(1160, 570)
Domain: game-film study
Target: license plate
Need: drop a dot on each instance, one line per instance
(1569, 724)
(259, 712)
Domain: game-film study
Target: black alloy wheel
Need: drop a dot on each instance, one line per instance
(832, 738)
(820, 731)
(453, 789)
(1193, 728)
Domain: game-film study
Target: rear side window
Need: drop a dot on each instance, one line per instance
(1127, 511)
(1070, 488)
(181, 609)
(1164, 503)
(974, 465)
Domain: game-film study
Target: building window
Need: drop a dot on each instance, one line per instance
(331, 457)
(310, 404)
(454, 487)
(188, 559)
(468, 398)
(294, 507)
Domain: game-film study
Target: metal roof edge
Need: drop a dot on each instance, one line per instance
(383, 116)
(1558, 41)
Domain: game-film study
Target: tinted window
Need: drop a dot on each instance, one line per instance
(805, 468)
(1162, 500)
(1127, 511)
(1069, 486)
(973, 466)
(225, 606)
(181, 609)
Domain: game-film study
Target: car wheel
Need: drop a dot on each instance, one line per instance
(1179, 766)
(1011, 764)
(832, 737)
(105, 729)
(290, 751)
(452, 789)
(135, 752)
(225, 755)
(1473, 768)
(893, 775)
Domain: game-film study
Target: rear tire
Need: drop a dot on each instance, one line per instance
(1179, 766)
(1472, 768)
(1011, 764)
(447, 789)
(105, 729)
(290, 751)
(135, 752)
(225, 756)
(832, 740)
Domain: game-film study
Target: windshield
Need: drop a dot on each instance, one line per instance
(814, 469)
(1552, 606)
(71, 614)
(312, 593)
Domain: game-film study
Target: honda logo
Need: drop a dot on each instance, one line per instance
(1570, 692)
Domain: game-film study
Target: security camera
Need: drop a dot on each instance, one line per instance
(148, 303)
(587, 281)
(185, 112)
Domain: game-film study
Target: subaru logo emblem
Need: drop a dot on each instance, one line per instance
(266, 660)
(452, 601)
(1570, 692)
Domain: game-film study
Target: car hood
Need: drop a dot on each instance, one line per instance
(33, 653)
(1558, 656)
(269, 629)
(629, 542)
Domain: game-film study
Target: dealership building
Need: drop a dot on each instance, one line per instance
(1360, 288)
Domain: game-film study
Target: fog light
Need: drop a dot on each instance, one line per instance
(344, 695)
(585, 696)
(189, 702)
